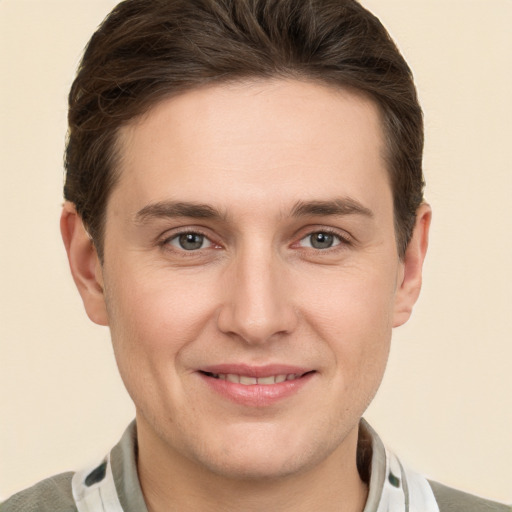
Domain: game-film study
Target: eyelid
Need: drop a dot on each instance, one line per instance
(343, 237)
(176, 238)
(165, 238)
(306, 240)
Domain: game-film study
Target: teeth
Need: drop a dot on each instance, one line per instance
(267, 380)
(248, 381)
(251, 381)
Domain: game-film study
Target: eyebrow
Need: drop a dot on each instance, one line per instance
(171, 209)
(342, 206)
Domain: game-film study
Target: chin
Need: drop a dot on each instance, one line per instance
(259, 455)
(257, 467)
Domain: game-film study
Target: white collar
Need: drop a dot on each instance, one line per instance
(393, 487)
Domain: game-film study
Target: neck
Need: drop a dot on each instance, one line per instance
(171, 482)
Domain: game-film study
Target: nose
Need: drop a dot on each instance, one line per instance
(257, 306)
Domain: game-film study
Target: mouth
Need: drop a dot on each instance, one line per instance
(256, 386)
(247, 380)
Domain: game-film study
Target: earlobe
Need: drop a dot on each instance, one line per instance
(410, 280)
(84, 264)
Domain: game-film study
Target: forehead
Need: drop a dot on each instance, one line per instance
(287, 137)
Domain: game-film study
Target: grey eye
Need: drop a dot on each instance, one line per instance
(320, 240)
(189, 241)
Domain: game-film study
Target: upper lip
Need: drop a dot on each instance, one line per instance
(255, 371)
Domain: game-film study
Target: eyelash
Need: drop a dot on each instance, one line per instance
(343, 241)
(166, 242)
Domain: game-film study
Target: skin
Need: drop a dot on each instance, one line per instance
(255, 292)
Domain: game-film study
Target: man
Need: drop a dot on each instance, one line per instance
(244, 210)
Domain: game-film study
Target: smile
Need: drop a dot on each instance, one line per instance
(252, 381)
(256, 386)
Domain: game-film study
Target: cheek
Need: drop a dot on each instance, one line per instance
(352, 312)
(153, 317)
(357, 300)
(159, 310)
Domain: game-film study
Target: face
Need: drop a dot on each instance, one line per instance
(251, 276)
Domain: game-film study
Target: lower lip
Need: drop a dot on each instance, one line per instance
(256, 395)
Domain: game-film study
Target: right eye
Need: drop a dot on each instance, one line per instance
(320, 240)
(189, 241)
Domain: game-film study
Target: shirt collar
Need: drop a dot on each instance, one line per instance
(386, 478)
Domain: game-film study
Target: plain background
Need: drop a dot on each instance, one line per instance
(445, 405)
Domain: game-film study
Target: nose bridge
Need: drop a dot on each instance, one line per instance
(256, 305)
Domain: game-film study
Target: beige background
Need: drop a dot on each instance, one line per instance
(445, 405)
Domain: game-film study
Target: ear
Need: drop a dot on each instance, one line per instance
(409, 286)
(84, 263)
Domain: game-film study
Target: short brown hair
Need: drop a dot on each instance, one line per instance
(146, 50)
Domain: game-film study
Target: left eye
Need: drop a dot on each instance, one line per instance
(190, 241)
(320, 240)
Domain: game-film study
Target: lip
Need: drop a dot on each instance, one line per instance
(255, 395)
(256, 371)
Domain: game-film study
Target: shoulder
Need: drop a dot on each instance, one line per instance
(51, 495)
(452, 500)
